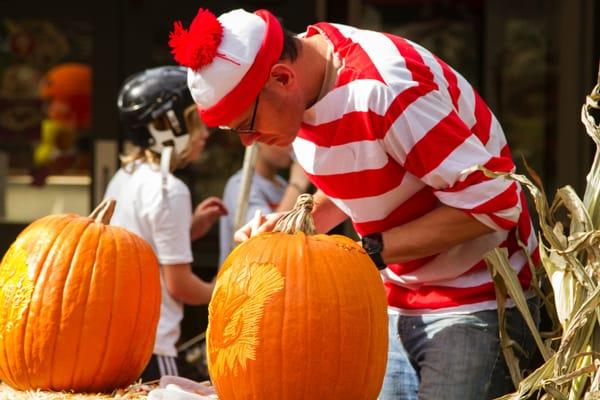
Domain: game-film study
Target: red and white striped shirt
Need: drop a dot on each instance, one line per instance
(391, 141)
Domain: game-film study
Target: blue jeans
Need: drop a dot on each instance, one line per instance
(400, 382)
(458, 356)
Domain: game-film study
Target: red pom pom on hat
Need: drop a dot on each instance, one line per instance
(198, 46)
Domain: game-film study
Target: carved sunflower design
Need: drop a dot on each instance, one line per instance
(235, 312)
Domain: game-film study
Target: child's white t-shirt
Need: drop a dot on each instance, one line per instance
(163, 218)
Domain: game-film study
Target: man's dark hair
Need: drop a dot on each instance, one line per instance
(290, 46)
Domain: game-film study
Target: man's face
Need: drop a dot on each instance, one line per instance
(274, 118)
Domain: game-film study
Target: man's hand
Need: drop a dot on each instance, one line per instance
(205, 215)
(264, 223)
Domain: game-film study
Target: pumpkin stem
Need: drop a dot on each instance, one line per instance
(104, 212)
(300, 218)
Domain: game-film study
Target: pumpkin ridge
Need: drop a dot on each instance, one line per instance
(284, 318)
(366, 371)
(149, 258)
(151, 255)
(110, 318)
(85, 309)
(338, 324)
(5, 362)
(57, 222)
(5, 369)
(306, 315)
(38, 269)
(133, 337)
(64, 281)
(44, 272)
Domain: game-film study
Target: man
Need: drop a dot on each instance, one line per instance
(385, 130)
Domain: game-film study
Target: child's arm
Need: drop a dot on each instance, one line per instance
(184, 286)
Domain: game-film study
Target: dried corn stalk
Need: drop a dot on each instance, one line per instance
(570, 255)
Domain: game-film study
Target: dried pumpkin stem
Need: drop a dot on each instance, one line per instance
(300, 218)
(104, 212)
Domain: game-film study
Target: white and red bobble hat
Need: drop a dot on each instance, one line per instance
(228, 59)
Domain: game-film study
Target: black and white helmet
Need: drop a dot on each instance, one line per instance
(147, 96)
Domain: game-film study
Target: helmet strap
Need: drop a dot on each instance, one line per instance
(165, 166)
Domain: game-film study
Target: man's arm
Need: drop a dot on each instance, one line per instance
(325, 213)
(440, 150)
(432, 233)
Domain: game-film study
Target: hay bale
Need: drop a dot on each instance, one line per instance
(133, 392)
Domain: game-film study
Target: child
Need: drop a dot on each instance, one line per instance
(268, 193)
(159, 114)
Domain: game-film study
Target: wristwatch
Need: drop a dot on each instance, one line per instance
(373, 245)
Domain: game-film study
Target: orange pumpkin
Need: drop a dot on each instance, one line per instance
(298, 316)
(79, 304)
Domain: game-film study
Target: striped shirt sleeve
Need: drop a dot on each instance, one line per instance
(434, 144)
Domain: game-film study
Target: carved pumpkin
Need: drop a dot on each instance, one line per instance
(298, 316)
(79, 305)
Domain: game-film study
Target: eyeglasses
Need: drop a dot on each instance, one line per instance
(242, 131)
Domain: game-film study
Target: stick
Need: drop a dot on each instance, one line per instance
(247, 173)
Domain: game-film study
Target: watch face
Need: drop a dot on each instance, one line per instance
(372, 244)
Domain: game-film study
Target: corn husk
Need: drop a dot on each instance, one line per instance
(570, 257)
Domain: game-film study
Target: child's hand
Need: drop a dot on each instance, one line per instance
(205, 215)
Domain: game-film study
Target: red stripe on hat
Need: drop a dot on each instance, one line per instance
(242, 96)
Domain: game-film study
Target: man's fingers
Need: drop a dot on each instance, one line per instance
(241, 235)
(268, 224)
(256, 222)
(259, 224)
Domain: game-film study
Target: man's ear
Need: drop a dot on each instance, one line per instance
(282, 75)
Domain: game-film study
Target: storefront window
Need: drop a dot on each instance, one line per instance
(45, 107)
(503, 47)
(451, 30)
(525, 89)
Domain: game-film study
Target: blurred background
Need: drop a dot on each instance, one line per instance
(62, 63)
